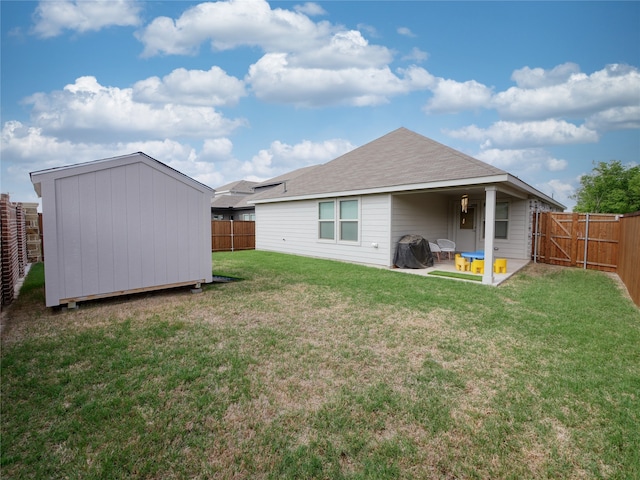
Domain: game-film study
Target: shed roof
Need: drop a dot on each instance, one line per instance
(398, 161)
(79, 168)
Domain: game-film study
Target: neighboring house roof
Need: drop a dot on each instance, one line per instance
(280, 179)
(401, 160)
(238, 187)
(233, 195)
(237, 195)
(231, 201)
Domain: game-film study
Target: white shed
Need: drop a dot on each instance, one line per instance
(122, 225)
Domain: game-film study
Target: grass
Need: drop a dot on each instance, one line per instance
(462, 276)
(316, 369)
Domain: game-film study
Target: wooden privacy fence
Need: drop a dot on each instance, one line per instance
(629, 254)
(230, 235)
(587, 240)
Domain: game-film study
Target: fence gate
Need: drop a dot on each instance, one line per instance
(587, 240)
(230, 235)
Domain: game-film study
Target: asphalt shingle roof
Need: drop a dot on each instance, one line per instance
(401, 157)
(239, 186)
(230, 201)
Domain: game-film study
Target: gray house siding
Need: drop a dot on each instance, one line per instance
(292, 227)
(422, 214)
(375, 230)
(514, 246)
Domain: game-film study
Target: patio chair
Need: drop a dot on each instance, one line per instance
(435, 249)
(477, 266)
(500, 265)
(462, 264)
(446, 246)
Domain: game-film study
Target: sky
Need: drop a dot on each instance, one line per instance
(249, 89)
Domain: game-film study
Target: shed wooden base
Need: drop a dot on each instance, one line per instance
(71, 302)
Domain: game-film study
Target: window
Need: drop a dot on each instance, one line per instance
(347, 227)
(326, 223)
(501, 221)
(249, 216)
(349, 220)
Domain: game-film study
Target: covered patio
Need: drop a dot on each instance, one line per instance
(448, 266)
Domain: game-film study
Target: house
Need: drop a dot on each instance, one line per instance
(122, 225)
(230, 201)
(355, 208)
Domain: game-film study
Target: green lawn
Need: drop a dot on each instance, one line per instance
(315, 369)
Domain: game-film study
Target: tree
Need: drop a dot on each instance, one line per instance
(610, 188)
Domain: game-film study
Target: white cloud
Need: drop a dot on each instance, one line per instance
(538, 77)
(305, 63)
(191, 87)
(310, 8)
(370, 30)
(273, 79)
(229, 24)
(555, 164)
(620, 118)
(532, 163)
(535, 113)
(522, 161)
(20, 143)
(559, 191)
(450, 96)
(416, 55)
(217, 148)
(310, 153)
(344, 49)
(53, 17)
(406, 32)
(27, 149)
(281, 157)
(88, 110)
(578, 96)
(527, 134)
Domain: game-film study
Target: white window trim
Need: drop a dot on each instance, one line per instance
(319, 221)
(337, 221)
(503, 220)
(357, 221)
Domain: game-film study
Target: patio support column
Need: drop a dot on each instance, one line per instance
(489, 233)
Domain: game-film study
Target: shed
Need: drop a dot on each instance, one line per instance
(122, 225)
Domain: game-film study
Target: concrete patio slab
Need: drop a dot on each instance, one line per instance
(513, 265)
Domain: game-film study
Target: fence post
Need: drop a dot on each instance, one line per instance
(573, 245)
(547, 245)
(232, 235)
(586, 240)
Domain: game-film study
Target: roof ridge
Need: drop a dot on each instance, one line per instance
(400, 157)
